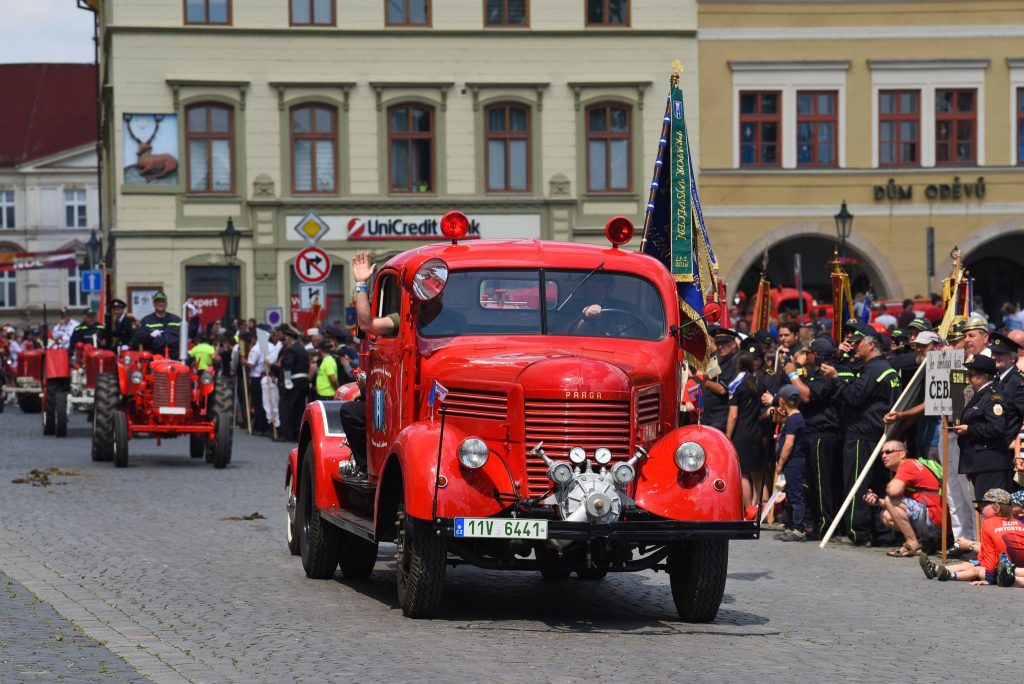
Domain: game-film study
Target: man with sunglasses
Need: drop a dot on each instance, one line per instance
(911, 504)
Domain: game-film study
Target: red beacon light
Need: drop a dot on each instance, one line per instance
(455, 225)
(619, 231)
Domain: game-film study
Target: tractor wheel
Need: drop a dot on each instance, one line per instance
(197, 444)
(223, 397)
(422, 560)
(29, 403)
(107, 397)
(358, 556)
(222, 447)
(291, 533)
(697, 572)
(319, 541)
(60, 415)
(49, 409)
(120, 439)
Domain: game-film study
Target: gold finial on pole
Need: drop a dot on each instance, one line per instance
(677, 68)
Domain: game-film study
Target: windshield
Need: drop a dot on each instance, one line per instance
(508, 302)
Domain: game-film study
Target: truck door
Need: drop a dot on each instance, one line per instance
(384, 390)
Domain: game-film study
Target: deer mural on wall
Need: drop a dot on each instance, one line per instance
(151, 166)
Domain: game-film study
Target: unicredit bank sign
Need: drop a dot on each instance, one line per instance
(419, 227)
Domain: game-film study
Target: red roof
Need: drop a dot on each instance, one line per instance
(47, 108)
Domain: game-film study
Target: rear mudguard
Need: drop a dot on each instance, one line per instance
(58, 365)
(465, 492)
(663, 489)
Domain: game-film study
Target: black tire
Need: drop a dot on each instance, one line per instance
(319, 542)
(29, 402)
(291, 530)
(422, 561)
(106, 399)
(358, 557)
(591, 574)
(223, 399)
(197, 444)
(60, 415)
(555, 574)
(49, 409)
(697, 571)
(222, 447)
(120, 439)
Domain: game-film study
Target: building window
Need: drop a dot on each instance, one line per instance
(8, 290)
(207, 11)
(408, 12)
(76, 298)
(506, 12)
(1020, 127)
(607, 12)
(816, 128)
(608, 136)
(508, 148)
(760, 116)
(955, 126)
(74, 208)
(899, 127)
(210, 149)
(411, 148)
(312, 12)
(6, 209)
(314, 141)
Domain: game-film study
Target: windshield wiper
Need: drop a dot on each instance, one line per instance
(585, 279)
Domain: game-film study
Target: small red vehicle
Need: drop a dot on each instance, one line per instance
(153, 396)
(551, 444)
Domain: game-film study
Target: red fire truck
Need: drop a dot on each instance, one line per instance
(522, 437)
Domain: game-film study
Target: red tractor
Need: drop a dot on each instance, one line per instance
(67, 388)
(153, 396)
(25, 380)
(536, 437)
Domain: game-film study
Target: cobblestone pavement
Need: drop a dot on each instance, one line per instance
(143, 562)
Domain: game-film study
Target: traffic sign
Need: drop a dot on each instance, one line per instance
(313, 265)
(92, 281)
(274, 315)
(311, 293)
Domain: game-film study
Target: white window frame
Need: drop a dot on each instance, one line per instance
(8, 287)
(80, 207)
(81, 299)
(927, 76)
(789, 78)
(1016, 82)
(6, 204)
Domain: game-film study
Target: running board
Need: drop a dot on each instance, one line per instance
(350, 521)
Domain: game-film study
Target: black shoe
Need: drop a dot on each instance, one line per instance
(928, 566)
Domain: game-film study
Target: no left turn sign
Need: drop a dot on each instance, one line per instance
(313, 265)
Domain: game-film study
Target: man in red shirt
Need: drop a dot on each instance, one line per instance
(911, 504)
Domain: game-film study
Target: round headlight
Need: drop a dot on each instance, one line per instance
(560, 473)
(206, 378)
(603, 455)
(136, 377)
(430, 279)
(577, 455)
(623, 474)
(473, 453)
(690, 457)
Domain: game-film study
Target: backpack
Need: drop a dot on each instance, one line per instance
(936, 468)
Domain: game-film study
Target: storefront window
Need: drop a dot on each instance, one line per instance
(216, 291)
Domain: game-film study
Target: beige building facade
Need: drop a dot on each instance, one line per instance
(911, 112)
(355, 124)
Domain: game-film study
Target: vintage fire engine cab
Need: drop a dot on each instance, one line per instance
(523, 417)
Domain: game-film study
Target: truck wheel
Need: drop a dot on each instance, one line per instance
(49, 409)
(319, 542)
(197, 444)
(120, 439)
(29, 403)
(291, 533)
(358, 556)
(222, 447)
(697, 572)
(591, 574)
(421, 565)
(223, 397)
(60, 415)
(107, 397)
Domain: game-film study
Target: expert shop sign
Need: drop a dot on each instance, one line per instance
(401, 228)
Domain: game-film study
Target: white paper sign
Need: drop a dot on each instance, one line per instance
(938, 398)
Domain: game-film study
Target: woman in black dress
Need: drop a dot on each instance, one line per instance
(743, 427)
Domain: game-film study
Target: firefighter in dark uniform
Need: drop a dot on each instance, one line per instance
(821, 437)
(1009, 382)
(981, 431)
(716, 389)
(89, 331)
(864, 401)
(119, 325)
(159, 332)
(293, 382)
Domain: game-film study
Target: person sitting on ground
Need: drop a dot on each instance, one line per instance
(911, 505)
(997, 524)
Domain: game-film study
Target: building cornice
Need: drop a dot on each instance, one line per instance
(1015, 62)
(899, 33)
(579, 86)
(834, 65)
(177, 84)
(441, 86)
(927, 64)
(404, 34)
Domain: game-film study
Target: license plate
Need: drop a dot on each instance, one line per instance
(501, 528)
(172, 410)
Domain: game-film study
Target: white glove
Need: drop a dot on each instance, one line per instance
(156, 333)
(712, 371)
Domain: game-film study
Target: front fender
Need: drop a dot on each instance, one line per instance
(668, 492)
(321, 433)
(291, 472)
(467, 492)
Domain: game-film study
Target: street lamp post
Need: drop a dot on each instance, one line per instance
(844, 226)
(229, 238)
(93, 250)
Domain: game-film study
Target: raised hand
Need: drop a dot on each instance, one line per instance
(362, 269)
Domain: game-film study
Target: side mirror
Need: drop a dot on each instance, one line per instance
(712, 312)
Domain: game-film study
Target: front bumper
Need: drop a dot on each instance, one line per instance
(655, 531)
